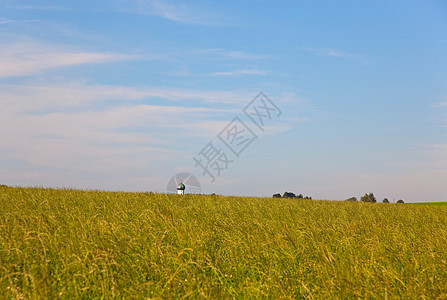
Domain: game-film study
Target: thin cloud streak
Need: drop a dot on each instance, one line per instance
(17, 21)
(100, 143)
(177, 13)
(240, 72)
(238, 55)
(31, 97)
(75, 138)
(36, 7)
(180, 13)
(439, 104)
(22, 59)
(336, 53)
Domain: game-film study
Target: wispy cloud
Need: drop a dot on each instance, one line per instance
(439, 104)
(76, 146)
(336, 53)
(179, 12)
(76, 104)
(436, 157)
(176, 12)
(28, 58)
(104, 141)
(25, 98)
(8, 21)
(440, 107)
(240, 72)
(239, 55)
(90, 135)
(37, 7)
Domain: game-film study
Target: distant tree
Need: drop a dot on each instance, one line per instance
(400, 201)
(277, 196)
(368, 198)
(352, 199)
(385, 200)
(288, 195)
(300, 196)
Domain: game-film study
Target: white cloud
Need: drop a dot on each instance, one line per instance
(170, 10)
(64, 133)
(327, 52)
(24, 98)
(8, 21)
(76, 134)
(28, 58)
(242, 55)
(337, 54)
(66, 117)
(122, 141)
(35, 7)
(178, 12)
(437, 156)
(439, 104)
(234, 54)
(105, 108)
(277, 129)
(440, 107)
(240, 72)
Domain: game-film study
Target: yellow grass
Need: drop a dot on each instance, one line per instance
(92, 244)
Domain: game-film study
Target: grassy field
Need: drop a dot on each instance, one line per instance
(92, 244)
(433, 203)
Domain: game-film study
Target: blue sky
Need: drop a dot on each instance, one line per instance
(121, 95)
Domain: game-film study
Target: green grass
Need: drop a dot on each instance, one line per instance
(91, 244)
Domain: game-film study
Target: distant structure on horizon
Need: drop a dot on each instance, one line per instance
(181, 188)
(291, 195)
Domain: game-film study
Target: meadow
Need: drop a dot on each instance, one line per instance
(92, 244)
(433, 203)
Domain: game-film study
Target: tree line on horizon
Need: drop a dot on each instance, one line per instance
(291, 195)
(371, 199)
